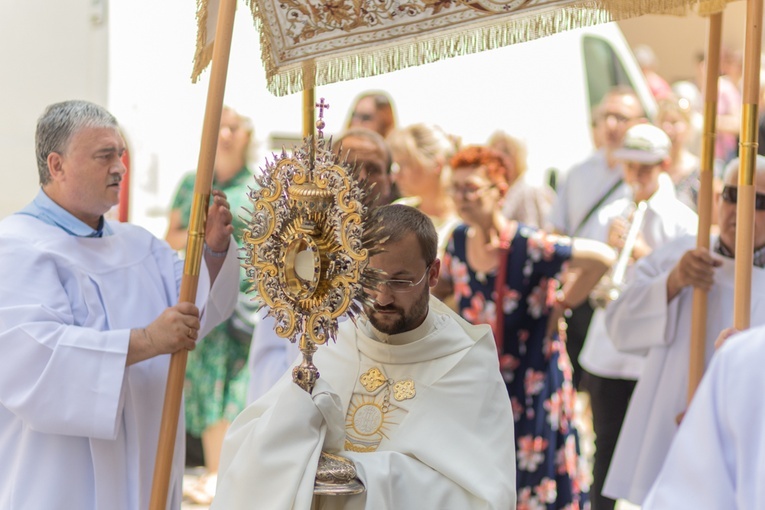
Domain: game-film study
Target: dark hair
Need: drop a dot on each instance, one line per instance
(383, 108)
(59, 122)
(398, 220)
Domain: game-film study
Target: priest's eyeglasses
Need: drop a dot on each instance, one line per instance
(730, 195)
(402, 286)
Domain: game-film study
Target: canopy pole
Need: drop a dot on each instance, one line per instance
(706, 176)
(309, 111)
(194, 245)
(748, 154)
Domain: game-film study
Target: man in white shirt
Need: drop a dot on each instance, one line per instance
(88, 318)
(591, 185)
(413, 397)
(659, 217)
(653, 318)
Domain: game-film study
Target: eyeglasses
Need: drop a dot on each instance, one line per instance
(730, 195)
(402, 286)
(363, 117)
(469, 192)
(617, 117)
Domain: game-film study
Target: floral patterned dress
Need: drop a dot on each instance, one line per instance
(534, 364)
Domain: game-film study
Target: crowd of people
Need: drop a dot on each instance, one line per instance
(500, 304)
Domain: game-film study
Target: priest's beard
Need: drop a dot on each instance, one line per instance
(402, 320)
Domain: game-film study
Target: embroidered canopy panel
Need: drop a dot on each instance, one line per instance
(307, 43)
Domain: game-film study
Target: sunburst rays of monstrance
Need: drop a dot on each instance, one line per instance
(308, 242)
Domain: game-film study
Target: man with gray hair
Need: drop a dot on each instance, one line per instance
(653, 318)
(89, 314)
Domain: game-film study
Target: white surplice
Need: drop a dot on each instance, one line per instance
(445, 441)
(269, 358)
(717, 459)
(642, 322)
(666, 219)
(79, 429)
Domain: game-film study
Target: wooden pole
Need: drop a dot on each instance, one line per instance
(194, 244)
(748, 155)
(309, 111)
(699, 310)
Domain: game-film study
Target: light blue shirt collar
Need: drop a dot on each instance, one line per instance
(48, 211)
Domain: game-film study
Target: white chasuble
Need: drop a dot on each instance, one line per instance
(642, 322)
(428, 424)
(79, 429)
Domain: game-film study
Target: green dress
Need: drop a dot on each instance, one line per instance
(216, 371)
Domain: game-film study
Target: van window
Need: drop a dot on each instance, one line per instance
(603, 69)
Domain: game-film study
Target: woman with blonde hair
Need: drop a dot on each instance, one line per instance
(217, 378)
(674, 118)
(421, 153)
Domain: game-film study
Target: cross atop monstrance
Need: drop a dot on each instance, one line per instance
(308, 244)
(321, 105)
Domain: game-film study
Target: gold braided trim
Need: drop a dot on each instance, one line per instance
(204, 51)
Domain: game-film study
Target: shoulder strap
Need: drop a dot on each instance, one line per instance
(596, 206)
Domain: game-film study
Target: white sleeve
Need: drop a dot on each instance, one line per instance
(641, 318)
(272, 449)
(59, 378)
(216, 302)
(270, 357)
(698, 471)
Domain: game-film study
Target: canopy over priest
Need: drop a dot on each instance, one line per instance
(412, 396)
(89, 314)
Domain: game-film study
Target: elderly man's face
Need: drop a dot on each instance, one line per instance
(373, 164)
(87, 174)
(615, 116)
(727, 212)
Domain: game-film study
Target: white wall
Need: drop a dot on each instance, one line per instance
(52, 51)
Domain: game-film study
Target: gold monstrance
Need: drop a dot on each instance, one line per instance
(307, 245)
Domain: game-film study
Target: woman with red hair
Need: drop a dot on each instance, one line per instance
(506, 274)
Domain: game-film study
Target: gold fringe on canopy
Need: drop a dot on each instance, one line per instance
(349, 39)
(205, 39)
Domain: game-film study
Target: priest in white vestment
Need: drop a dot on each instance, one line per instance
(717, 459)
(653, 317)
(89, 315)
(413, 397)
